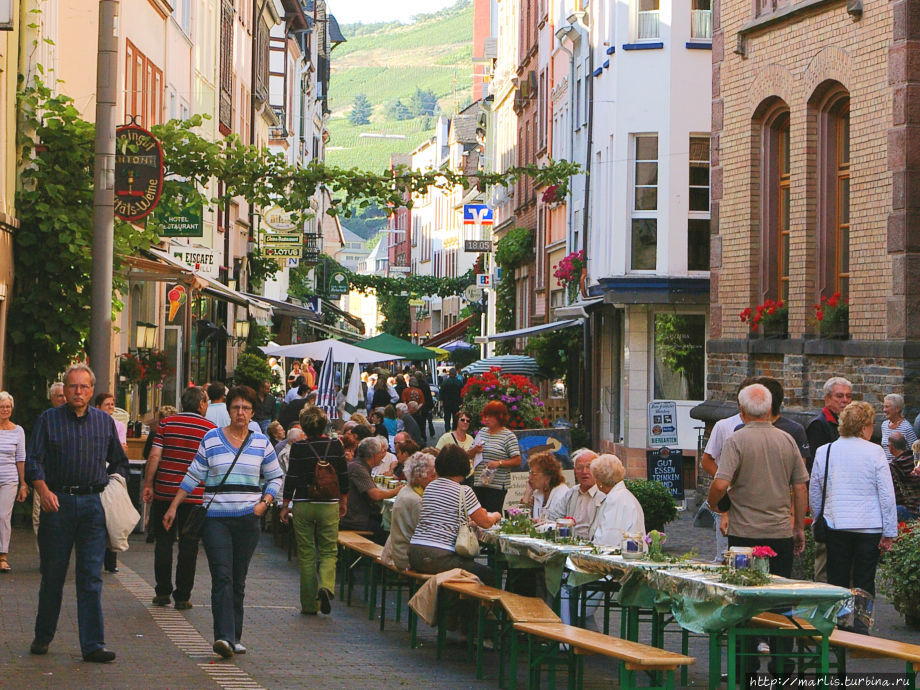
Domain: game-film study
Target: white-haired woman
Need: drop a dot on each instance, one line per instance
(894, 421)
(620, 513)
(419, 470)
(12, 474)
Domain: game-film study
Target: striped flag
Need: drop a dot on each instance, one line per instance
(325, 390)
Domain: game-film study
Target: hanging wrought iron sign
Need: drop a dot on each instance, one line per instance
(138, 172)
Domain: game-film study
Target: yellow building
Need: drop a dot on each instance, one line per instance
(9, 63)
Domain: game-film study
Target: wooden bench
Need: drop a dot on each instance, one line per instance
(519, 609)
(634, 656)
(487, 599)
(411, 580)
(367, 551)
(856, 645)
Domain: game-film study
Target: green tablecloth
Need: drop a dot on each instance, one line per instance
(702, 604)
(527, 552)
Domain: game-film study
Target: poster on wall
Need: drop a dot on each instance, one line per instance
(667, 466)
(556, 441)
(662, 423)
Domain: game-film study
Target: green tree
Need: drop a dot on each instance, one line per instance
(423, 103)
(397, 110)
(360, 110)
(511, 251)
(251, 370)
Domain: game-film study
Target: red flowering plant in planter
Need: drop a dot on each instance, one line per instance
(832, 316)
(131, 368)
(156, 367)
(568, 272)
(554, 194)
(525, 409)
(770, 318)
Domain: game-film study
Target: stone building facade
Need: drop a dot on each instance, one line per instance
(815, 190)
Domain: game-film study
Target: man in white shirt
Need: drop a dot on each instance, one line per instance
(217, 409)
(710, 463)
(582, 500)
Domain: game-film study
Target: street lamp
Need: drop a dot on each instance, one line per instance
(241, 331)
(145, 335)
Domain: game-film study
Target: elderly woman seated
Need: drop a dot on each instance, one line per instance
(548, 487)
(419, 469)
(620, 514)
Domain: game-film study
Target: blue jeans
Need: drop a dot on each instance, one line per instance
(78, 524)
(229, 543)
(263, 424)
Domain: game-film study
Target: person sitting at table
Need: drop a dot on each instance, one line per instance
(432, 547)
(407, 509)
(363, 493)
(546, 487)
(389, 462)
(620, 514)
(583, 499)
(404, 450)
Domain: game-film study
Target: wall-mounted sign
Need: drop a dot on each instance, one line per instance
(199, 258)
(176, 296)
(278, 219)
(284, 252)
(662, 423)
(667, 466)
(400, 269)
(292, 262)
(477, 214)
(416, 302)
(187, 222)
(472, 293)
(477, 246)
(338, 284)
(483, 280)
(276, 239)
(138, 172)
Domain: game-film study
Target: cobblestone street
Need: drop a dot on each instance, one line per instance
(285, 649)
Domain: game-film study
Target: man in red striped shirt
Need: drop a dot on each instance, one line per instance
(174, 447)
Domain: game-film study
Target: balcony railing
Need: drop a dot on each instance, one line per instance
(648, 25)
(700, 23)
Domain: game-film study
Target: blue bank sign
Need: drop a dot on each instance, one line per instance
(477, 214)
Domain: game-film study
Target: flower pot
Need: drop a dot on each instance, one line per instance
(834, 330)
(774, 329)
(761, 564)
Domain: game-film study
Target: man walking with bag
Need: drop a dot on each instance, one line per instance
(174, 446)
(73, 450)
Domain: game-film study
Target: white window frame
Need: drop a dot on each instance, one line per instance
(646, 20)
(700, 23)
(643, 214)
(698, 215)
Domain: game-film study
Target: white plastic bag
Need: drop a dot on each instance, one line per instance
(120, 515)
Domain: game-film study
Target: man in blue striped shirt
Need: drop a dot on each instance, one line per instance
(74, 448)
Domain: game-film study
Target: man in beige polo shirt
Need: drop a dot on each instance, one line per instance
(761, 463)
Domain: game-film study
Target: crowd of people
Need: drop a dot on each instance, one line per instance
(235, 453)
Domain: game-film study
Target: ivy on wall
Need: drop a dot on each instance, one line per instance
(513, 250)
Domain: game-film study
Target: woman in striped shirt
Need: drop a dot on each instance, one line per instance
(500, 454)
(12, 473)
(231, 530)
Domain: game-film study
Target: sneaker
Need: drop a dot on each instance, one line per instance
(183, 605)
(325, 597)
(223, 648)
(161, 600)
(763, 647)
(38, 647)
(100, 656)
(238, 648)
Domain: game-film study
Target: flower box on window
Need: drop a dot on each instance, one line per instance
(769, 320)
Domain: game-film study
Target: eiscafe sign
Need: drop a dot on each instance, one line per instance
(198, 258)
(138, 172)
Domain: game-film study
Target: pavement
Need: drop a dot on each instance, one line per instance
(285, 649)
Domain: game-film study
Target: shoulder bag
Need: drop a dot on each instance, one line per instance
(467, 544)
(194, 523)
(819, 524)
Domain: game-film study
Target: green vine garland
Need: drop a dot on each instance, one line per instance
(513, 250)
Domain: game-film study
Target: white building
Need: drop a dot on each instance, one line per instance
(354, 251)
(648, 75)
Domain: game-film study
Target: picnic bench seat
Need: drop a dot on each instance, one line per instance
(634, 656)
(857, 645)
(411, 580)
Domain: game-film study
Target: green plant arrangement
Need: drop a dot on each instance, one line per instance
(658, 505)
(156, 366)
(131, 369)
(655, 539)
(770, 318)
(832, 316)
(525, 409)
(511, 251)
(517, 522)
(899, 573)
(743, 577)
(555, 350)
(251, 370)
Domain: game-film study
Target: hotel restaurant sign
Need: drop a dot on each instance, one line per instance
(138, 172)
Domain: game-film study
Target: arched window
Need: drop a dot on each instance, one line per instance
(774, 173)
(831, 105)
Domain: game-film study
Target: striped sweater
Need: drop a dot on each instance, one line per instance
(255, 474)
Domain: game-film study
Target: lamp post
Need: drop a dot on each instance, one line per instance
(241, 331)
(145, 336)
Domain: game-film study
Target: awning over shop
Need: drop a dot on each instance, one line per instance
(259, 310)
(533, 330)
(392, 345)
(138, 268)
(451, 332)
(280, 308)
(577, 309)
(350, 318)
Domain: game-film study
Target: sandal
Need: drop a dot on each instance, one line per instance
(4, 566)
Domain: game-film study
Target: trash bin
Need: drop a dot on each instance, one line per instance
(135, 484)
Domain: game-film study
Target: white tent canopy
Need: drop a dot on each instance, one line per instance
(341, 352)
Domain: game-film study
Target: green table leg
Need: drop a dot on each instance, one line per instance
(715, 661)
(398, 598)
(371, 597)
(731, 644)
(911, 676)
(480, 631)
(412, 619)
(512, 661)
(383, 597)
(442, 626)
